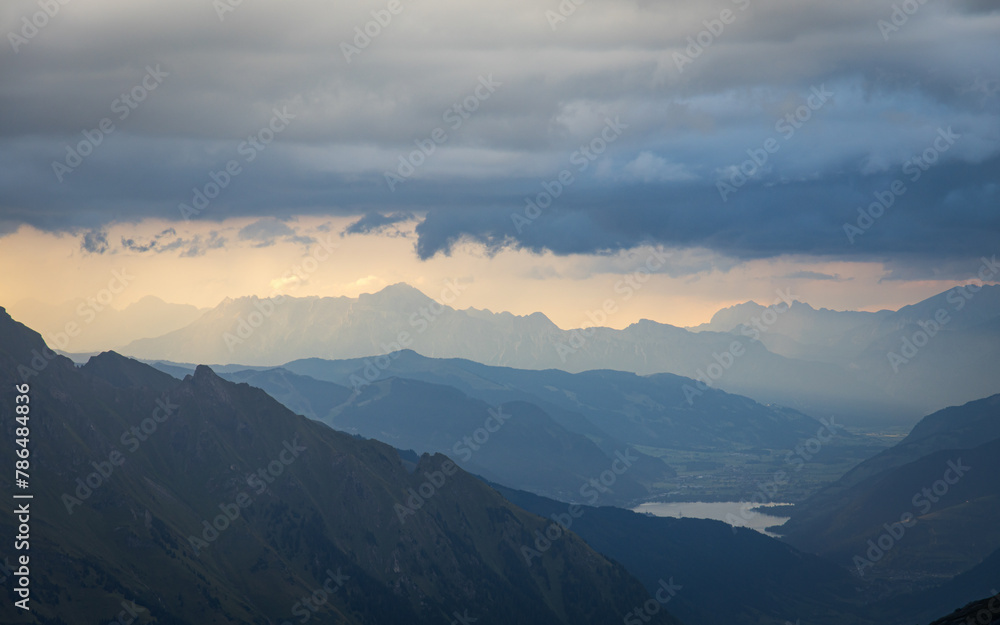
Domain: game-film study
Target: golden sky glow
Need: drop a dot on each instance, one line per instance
(52, 269)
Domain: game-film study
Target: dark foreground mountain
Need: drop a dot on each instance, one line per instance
(724, 576)
(203, 501)
(930, 603)
(765, 581)
(982, 612)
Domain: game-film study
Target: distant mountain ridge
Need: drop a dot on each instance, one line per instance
(99, 326)
(638, 410)
(558, 429)
(800, 331)
(797, 356)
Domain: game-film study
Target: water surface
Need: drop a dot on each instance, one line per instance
(738, 513)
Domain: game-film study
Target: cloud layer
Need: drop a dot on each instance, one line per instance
(725, 144)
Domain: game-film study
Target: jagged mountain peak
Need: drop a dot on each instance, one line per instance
(124, 372)
(399, 293)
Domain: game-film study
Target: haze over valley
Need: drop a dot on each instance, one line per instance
(558, 312)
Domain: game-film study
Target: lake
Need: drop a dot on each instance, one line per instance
(739, 513)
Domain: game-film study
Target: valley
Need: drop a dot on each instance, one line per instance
(579, 449)
(770, 475)
(515, 313)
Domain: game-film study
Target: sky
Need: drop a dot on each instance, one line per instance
(540, 151)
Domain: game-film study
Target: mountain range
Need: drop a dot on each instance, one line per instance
(515, 442)
(553, 431)
(789, 354)
(94, 324)
(185, 497)
(205, 501)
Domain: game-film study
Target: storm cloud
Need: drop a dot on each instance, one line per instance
(725, 143)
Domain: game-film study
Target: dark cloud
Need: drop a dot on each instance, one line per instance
(655, 184)
(978, 6)
(153, 244)
(377, 223)
(947, 214)
(266, 232)
(813, 275)
(132, 246)
(199, 246)
(95, 242)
